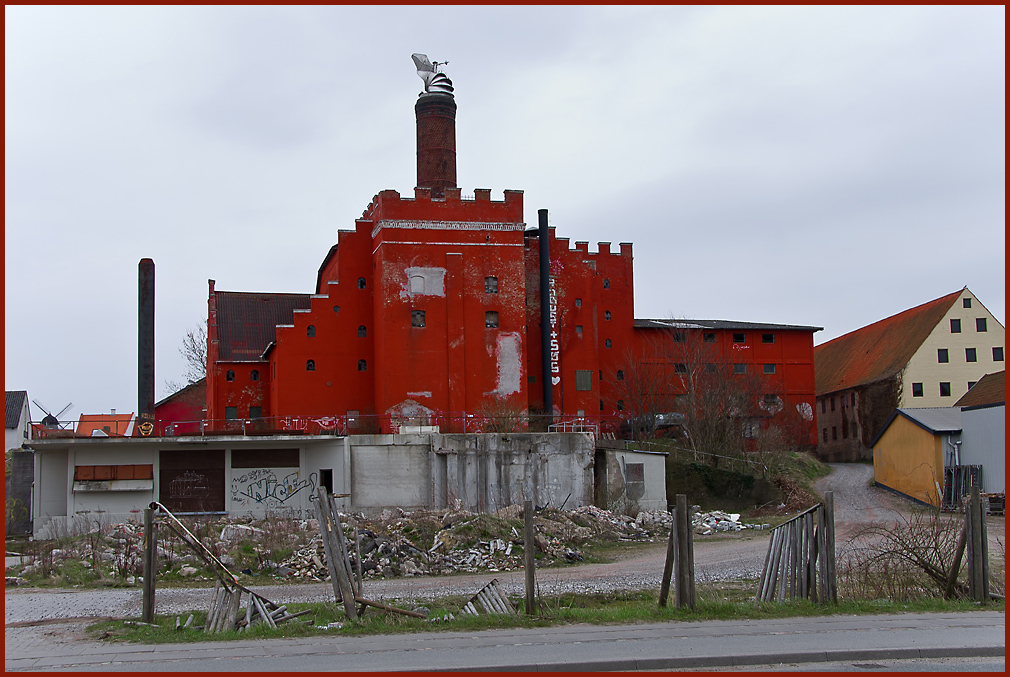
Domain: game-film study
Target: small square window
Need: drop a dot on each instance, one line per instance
(769, 368)
(709, 337)
(578, 330)
(491, 285)
(739, 368)
(417, 318)
(997, 354)
(680, 368)
(531, 379)
(578, 303)
(980, 324)
(583, 379)
(255, 412)
(231, 413)
(739, 338)
(620, 405)
(970, 355)
(491, 319)
(709, 368)
(606, 315)
(362, 331)
(767, 338)
(944, 389)
(966, 302)
(916, 390)
(942, 355)
(955, 326)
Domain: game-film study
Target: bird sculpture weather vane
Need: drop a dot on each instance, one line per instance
(435, 82)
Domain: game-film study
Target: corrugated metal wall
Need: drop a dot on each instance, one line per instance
(983, 435)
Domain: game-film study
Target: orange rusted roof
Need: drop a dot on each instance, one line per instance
(990, 390)
(877, 351)
(113, 425)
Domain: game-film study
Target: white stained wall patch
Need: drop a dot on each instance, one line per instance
(424, 393)
(420, 281)
(508, 354)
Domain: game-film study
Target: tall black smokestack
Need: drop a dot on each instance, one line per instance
(545, 316)
(145, 348)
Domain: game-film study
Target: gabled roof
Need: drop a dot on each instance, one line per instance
(14, 402)
(247, 322)
(118, 424)
(990, 391)
(877, 351)
(190, 388)
(720, 324)
(933, 419)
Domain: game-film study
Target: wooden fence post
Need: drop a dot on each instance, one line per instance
(978, 555)
(338, 570)
(829, 547)
(528, 548)
(684, 549)
(150, 565)
(671, 549)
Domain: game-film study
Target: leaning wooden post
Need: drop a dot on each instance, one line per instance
(338, 572)
(531, 602)
(150, 565)
(829, 547)
(671, 555)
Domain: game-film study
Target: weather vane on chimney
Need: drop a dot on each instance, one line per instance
(435, 82)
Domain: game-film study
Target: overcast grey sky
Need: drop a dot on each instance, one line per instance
(824, 166)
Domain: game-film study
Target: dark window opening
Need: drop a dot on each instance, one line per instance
(583, 379)
(491, 319)
(254, 375)
(531, 379)
(361, 283)
(824, 405)
(491, 285)
(255, 412)
(966, 302)
(679, 337)
(709, 337)
(971, 384)
(578, 330)
(739, 368)
(326, 479)
(834, 433)
(853, 400)
(310, 330)
(739, 338)
(832, 403)
(997, 354)
(231, 413)
(606, 314)
(680, 368)
(417, 318)
(229, 375)
(620, 405)
(980, 324)
(362, 365)
(310, 365)
(944, 389)
(970, 355)
(336, 309)
(942, 355)
(769, 368)
(825, 433)
(709, 368)
(608, 344)
(767, 338)
(620, 374)
(955, 326)
(916, 390)
(578, 303)
(362, 331)
(606, 283)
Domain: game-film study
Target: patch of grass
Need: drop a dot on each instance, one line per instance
(731, 601)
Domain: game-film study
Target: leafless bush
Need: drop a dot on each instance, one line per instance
(910, 560)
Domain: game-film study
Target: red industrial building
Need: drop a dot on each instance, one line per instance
(429, 313)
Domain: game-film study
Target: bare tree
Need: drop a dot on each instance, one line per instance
(643, 389)
(194, 352)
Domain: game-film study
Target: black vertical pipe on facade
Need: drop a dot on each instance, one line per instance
(545, 316)
(145, 342)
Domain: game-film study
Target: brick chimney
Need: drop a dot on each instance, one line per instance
(436, 142)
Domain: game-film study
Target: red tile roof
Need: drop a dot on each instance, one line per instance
(117, 424)
(990, 390)
(877, 351)
(247, 322)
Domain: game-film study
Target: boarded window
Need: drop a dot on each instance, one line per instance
(231, 413)
(417, 318)
(491, 319)
(264, 458)
(739, 368)
(84, 473)
(769, 368)
(583, 379)
(255, 412)
(635, 478)
(192, 481)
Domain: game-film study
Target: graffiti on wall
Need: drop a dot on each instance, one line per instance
(189, 485)
(270, 488)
